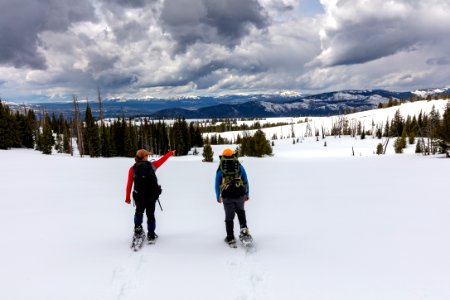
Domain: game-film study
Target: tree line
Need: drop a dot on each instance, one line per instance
(95, 138)
(85, 135)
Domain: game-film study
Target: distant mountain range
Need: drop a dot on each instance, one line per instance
(240, 106)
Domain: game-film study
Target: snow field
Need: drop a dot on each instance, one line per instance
(327, 225)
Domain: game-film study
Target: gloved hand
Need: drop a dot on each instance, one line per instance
(247, 197)
(128, 201)
(219, 200)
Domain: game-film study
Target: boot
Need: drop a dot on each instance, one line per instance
(138, 230)
(230, 241)
(152, 237)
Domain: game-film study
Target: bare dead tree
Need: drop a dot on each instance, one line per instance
(385, 144)
(100, 107)
(77, 125)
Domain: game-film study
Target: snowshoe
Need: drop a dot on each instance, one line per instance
(231, 242)
(245, 238)
(138, 239)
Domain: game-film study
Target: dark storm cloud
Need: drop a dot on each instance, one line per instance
(78, 80)
(116, 81)
(359, 44)
(99, 62)
(21, 21)
(209, 21)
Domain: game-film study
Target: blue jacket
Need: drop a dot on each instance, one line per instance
(219, 180)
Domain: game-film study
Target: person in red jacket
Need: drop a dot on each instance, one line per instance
(146, 191)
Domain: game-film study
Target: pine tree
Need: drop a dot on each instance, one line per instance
(444, 130)
(59, 143)
(379, 133)
(411, 138)
(257, 145)
(130, 142)
(419, 146)
(46, 140)
(28, 129)
(387, 130)
(4, 127)
(379, 149)
(208, 154)
(67, 138)
(92, 144)
(400, 143)
(397, 124)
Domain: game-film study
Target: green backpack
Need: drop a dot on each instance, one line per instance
(232, 185)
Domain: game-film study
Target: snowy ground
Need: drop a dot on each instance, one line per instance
(327, 225)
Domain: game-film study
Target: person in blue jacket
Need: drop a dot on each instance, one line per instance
(232, 189)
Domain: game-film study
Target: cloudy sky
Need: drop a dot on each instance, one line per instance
(53, 49)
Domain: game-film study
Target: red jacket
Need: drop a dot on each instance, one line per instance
(156, 164)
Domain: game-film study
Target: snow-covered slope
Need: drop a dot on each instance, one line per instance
(370, 119)
(327, 225)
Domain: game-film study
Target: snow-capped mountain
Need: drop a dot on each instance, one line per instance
(431, 92)
(278, 104)
(311, 105)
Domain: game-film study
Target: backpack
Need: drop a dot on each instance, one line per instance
(232, 185)
(145, 181)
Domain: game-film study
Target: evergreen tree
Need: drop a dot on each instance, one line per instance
(179, 137)
(419, 146)
(5, 142)
(67, 138)
(379, 149)
(130, 142)
(208, 154)
(28, 129)
(91, 135)
(411, 138)
(257, 145)
(400, 143)
(198, 139)
(379, 133)
(444, 130)
(46, 140)
(59, 143)
(106, 143)
(386, 128)
(397, 124)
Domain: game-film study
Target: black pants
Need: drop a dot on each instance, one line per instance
(147, 205)
(234, 206)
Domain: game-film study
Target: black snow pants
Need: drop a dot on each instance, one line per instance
(234, 206)
(147, 205)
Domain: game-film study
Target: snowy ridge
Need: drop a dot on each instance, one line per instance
(280, 108)
(378, 117)
(428, 92)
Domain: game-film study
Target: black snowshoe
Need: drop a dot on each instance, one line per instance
(245, 238)
(231, 242)
(138, 239)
